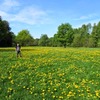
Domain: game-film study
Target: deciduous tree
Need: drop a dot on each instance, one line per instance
(24, 38)
(65, 34)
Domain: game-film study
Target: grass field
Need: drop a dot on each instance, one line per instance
(44, 73)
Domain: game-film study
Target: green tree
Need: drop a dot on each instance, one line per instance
(91, 42)
(81, 36)
(6, 36)
(65, 34)
(55, 41)
(96, 35)
(50, 41)
(44, 40)
(24, 38)
(84, 32)
(36, 42)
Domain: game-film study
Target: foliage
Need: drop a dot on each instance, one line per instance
(24, 38)
(43, 40)
(50, 74)
(36, 42)
(56, 42)
(65, 34)
(6, 36)
(96, 34)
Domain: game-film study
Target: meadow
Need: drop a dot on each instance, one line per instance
(50, 73)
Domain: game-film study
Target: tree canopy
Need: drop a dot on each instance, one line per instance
(6, 36)
(24, 38)
(66, 36)
(43, 40)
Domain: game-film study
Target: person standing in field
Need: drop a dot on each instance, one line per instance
(18, 50)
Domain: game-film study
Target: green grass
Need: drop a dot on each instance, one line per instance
(45, 73)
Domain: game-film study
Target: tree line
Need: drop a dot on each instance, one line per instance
(66, 36)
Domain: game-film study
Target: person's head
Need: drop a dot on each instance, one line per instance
(17, 44)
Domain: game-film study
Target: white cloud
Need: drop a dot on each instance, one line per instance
(85, 17)
(7, 5)
(3, 13)
(30, 15)
(23, 14)
(91, 18)
(87, 22)
(10, 3)
(6, 16)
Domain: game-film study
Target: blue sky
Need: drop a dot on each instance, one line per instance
(44, 16)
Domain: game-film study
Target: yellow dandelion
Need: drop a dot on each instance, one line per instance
(24, 87)
(12, 82)
(97, 92)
